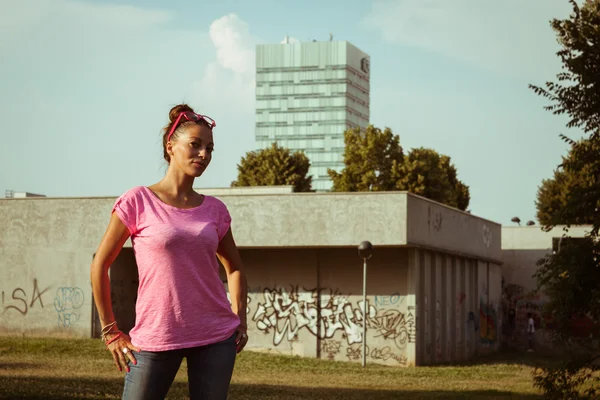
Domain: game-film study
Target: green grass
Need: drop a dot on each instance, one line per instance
(83, 369)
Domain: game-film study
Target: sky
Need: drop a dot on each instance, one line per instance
(87, 86)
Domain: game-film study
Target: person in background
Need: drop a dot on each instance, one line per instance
(530, 332)
(512, 320)
(182, 309)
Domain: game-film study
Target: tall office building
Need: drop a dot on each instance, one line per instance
(307, 95)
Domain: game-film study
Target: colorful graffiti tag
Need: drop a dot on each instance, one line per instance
(488, 323)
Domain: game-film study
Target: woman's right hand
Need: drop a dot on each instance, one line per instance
(122, 350)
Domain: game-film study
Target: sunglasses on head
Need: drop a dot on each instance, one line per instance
(191, 116)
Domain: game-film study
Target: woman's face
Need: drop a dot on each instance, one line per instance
(191, 151)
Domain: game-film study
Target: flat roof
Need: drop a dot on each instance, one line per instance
(390, 219)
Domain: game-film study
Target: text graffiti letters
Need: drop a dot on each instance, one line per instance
(18, 300)
(391, 324)
(434, 219)
(394, 299)
(331, 348)
(66, 302)
(411, 327)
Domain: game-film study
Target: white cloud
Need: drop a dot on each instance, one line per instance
(228, 87)
(235, 47)
(509, 37)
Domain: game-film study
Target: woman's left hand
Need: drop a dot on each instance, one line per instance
(241, 338)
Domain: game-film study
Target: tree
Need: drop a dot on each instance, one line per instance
(274, 166)
(577, 95)
(369, 158)
(552, 203)
(577, 92)
(429, 174)
(583, 202)
(570, 276)
(374, 161)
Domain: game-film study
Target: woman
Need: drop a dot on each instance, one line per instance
(182, 308)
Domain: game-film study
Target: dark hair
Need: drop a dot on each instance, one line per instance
(173, 115)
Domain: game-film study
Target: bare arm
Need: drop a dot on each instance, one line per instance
(236, 280)
(114, 238)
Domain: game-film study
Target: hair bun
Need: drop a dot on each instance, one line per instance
(178, 109)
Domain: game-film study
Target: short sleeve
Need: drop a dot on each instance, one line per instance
(224, 221)
(125, 208)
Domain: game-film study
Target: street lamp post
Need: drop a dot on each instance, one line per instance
(365, 251)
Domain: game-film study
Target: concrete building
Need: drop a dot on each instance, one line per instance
(12, 194)
(522, 248)
(246, 190)
(433, 292)
(307, 95)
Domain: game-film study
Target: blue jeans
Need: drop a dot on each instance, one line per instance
(209, 372)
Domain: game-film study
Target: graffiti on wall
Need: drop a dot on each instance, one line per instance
(286, 312)
(331, 348)
(518, 305)
(391, 325)
(411, 325)
(526, 304)
(435, 218)
(386, 353)
(67, 303)
(488, 323)
(394, 299)
(486, 235)
(324, 313)
(19, 301)
(248, 301)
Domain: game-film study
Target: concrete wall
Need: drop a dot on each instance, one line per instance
(346, 219)
(308, 302)
(296, 220)
(318, 219)
(456, 307)
(46, 247)
(522, 248)
(440, 227)
(246, 190)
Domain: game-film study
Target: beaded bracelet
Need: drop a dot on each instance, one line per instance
(109, 328)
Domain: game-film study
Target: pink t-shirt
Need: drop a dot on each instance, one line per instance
(181, 300)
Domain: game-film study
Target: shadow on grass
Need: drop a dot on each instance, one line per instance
(20, 388)
(272, 392)
(15, 366)
(512, 357)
